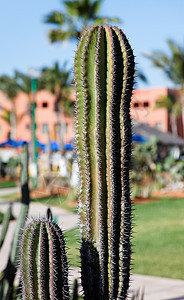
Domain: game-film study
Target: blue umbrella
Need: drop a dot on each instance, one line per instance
(138, 138)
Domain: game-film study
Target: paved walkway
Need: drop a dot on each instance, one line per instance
(155, 288)
(65, 219)
(8, 191)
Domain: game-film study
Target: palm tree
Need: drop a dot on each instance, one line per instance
(172, 65)
(173, 106)
(78, 15)
(58, 81)
(24, 82)
(10, 87)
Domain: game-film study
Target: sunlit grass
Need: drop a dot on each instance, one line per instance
(158, 239)
(1, 216)
(72, 238)
(7, 184)
(60, 201)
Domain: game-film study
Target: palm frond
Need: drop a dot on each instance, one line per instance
(56, 18)
(6, 116)
(171, 63)
(104, 20)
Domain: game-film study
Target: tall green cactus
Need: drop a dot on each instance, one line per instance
(43, 263)
(104, 69)
(8, 275)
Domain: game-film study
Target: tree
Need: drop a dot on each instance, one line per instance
(10, 87)
(58, 81)
(172, 65)
(78, 16)
(174, 108)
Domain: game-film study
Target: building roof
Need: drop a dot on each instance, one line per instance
(146, 132)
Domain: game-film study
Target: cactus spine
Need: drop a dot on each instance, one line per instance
(104, 69)
(43, 263)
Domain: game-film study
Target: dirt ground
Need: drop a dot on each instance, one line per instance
(158, 194)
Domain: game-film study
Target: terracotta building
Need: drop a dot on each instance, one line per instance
(5, 105)
(45, 118)
(142, 110)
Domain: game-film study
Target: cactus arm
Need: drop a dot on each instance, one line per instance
(101, 157)
(83, 208)
(43, 265)
(64, 269)
(25, 265)
(5, 224)
(114, 85)
(126, 139)
(89, 56)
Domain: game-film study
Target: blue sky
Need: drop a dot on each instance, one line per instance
(148, 24)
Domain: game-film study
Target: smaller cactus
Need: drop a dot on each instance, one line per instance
(5, 224)
(43, 262)
(8, 274)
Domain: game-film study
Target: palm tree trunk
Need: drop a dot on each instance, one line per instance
(49, 176)
(60, 126)
(13, 124)
(59, 131)
(174, 125)
(63, 129)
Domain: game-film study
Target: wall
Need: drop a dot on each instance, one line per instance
(143, 107)
(45, 117)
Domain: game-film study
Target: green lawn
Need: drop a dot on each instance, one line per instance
(1, 216)
(58, 200)
(7, 184)
(158, 239)
(53, 200)
(72, 239)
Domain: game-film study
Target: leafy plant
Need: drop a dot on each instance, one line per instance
(143, 168)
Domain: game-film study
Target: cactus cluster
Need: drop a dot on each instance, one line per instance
(43, 262)
(104, 69)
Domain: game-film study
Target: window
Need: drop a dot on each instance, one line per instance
(44, 128)
(136, 104)
(146, 104)
(45, 104)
